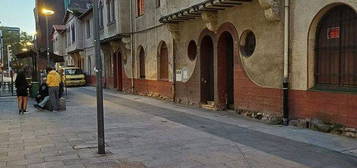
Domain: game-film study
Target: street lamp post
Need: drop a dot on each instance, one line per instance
(100, 113)
(47, 42)
(35, 47)
(2, 56)
(9, 57)
(47, 12)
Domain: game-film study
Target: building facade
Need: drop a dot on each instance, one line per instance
(231, 55)
(86, 20)
(113, 29)
(236, 54)
(78, 38)
(323, 61)
(58, 39)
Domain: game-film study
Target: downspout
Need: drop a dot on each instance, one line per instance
(132, 45)
(286, 63)
(174, 71)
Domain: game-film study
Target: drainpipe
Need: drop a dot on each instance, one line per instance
(286, 64)
(132, 45)
(174, 71)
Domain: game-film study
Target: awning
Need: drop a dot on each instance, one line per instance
(75, 51)
(26, 54)
(196, 10)
(33, 54)
(116, 37)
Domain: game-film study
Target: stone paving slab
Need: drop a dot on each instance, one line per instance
(329, 141)
(135, 138)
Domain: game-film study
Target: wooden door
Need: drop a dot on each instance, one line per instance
(115, 71)
(207, 70)
(225, 70)
(229, 69)
(142, 63)
(164, 62)
(336, 48)
(119, 72)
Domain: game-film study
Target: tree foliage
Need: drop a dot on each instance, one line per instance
(17, 41)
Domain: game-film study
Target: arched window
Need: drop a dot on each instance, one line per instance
(164, 61)
(113, 10)
(140, 4)
(109, 3)
(142, 62)
(336, 48)
(89, 66)
(101, 14)
(192, 50)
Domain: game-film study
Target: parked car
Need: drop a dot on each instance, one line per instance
(73, 76)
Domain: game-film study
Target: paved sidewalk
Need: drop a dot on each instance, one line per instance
(144, 132)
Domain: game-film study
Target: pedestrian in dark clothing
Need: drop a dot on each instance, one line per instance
(21, 85)
(61, 89)
(43, 92)
(43, 97)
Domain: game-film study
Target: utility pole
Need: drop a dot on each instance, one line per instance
(9, 57)
(47, 13)
(47, 43)
(99, 69)
(2, 56)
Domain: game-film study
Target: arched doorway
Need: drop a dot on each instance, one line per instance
(117, 71)
(225, 65)
(207, 70)
(336, 44)
(142, 62)
(164, 62)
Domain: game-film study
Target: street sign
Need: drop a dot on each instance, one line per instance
(333, 33)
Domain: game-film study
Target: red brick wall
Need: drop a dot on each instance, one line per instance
(91, 80)
(156, 88)
(189, 92)
(126, 84)
(109, 82)
(249, 96)
(328, 106)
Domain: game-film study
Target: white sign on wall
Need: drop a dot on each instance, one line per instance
(179, 75)
(184, 74)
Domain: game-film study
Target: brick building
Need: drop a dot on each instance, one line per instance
(230, 54)
(236, 54)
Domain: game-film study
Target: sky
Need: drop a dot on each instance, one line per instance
(18, 13)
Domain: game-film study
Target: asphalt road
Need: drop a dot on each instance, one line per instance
(302, 153)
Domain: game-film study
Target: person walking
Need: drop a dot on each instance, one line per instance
(21, 85)
(53, 83)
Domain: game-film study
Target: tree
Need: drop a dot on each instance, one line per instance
(10, 38)
(18, 41)
(26, 42)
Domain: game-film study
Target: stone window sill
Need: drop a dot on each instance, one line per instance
(111, 23)
(324, 88)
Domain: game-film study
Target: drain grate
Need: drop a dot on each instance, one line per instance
(86, 146)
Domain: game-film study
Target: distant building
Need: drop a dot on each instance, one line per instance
(7, 31)
(58, 39)
(56, 19)
(66, 4)
(73, 38)
(11, 29)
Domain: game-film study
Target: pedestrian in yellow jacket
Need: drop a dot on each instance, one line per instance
(53, 79)
(53, 82)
